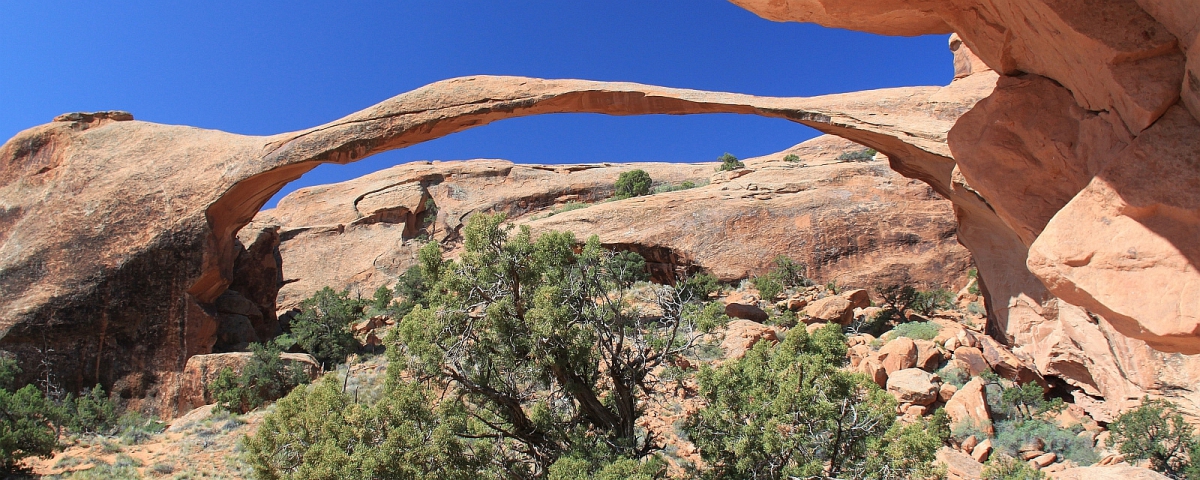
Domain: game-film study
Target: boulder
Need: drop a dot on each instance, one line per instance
(973, 358)
(834, 308)
(982, 451)
(959, 466)
(946, 392)
(913, 385)
(858, 298)
(1044, 460)
(746, 312)
(1006, 364)
(201, 370)
(929, 358)
(873, 370)
(969, 406)
(898, 354)
(742, 335)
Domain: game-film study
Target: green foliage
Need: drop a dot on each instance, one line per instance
(899, 298)
(1004, 467)
(687, 184)
(1157, 432)
(577, 468)
(785, 273)
(398, 437)
(26, 429)
(323, 326)
(917, 330)
(926, 303)
(633, 183)
(93, 412)
(791, 157)
(768, 286)
(1028, 401)
(864, 155)
(572, 206)
(790, 411)
(729, 162)
(955, 376)
(1012, 434)
(381, 302)
(264, 378)
(541, 342)
(698, 287)
(973, 274)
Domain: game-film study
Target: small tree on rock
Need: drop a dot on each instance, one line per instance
(633, 183)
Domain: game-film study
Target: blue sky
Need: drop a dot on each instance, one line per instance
(266, 67)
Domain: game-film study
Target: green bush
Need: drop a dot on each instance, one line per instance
(633, 183)
(791, 157)
(92, 412)
(323, 326)
(955, 376)
(699, 287)
(399, 437)
(27, 421)
(687, 184)
(729, 162)
(926, 303)
(1004, 467)
(264, 378)
(1012, 434)
(768, 286)
(864, 155)
(917, 330)
(790, 411)
(1157, 432)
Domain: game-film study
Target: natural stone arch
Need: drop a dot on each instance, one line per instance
(156, 207)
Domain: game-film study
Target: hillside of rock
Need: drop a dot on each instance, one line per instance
(854, 222)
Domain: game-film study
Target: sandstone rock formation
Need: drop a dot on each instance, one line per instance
(1070, 183)
(1082, 226)
(158, 207)
(856, 222)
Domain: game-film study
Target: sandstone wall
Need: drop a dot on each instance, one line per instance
(1074, 180)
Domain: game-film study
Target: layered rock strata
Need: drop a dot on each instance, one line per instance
(853, 222)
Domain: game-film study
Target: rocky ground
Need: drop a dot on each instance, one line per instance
(945, 363)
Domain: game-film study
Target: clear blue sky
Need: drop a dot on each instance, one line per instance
(264, 67)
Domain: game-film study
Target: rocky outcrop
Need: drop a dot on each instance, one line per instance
(856, 222)
(1073, 180)
(157, 207)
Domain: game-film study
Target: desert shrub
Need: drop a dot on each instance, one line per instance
(768, 286)
(864, 155)
(92, 412)
(973, 274)
(633, 183)
(577, 468)
(264, 378)
(917, 330)
(955, 376)
(26, 423)
(1157, 432)
(1012, 434)
(928, 302)
(551, 313)
(791, 157)
(700, 286)
(729, 162)
(400, 437)
(685, 185)
(133, 427)
(788, 411)
(323, 326)
(1004, 467)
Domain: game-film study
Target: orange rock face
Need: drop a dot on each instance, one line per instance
(1069, 184)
